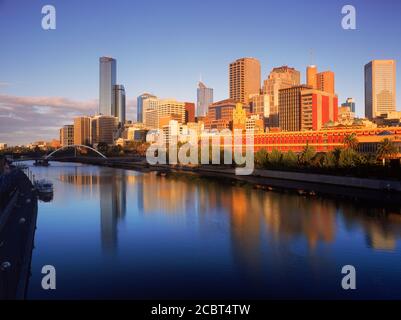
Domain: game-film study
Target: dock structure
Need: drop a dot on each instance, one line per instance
(18, 213)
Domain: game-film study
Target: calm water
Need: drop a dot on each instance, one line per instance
(123, 234)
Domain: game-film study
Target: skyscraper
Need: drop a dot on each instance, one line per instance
(139, 106)
(311, 72)
(103, 129)
(244, 79)
(107, 80)
(325, 81)
(380, 92)
(204, 99)
(290, 108)
(279, 78)
(119, 93)
(82, 130)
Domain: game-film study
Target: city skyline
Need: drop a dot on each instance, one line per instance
(26, 105)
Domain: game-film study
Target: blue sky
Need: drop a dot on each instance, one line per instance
(164, 46)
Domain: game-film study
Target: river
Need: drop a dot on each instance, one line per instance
(113, 233)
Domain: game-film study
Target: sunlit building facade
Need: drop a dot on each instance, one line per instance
(380, 87)
(244, 79)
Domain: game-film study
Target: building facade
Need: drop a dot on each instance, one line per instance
(82, 130)
(189, 112)
(120, 108)
(107, 81)
(103, 129)
(279, 78)
(140, 106)
(67, 135)
(317, 108)
(380, 87)
(204, 99)
(349, 103)
(290, 108)
(244, 79)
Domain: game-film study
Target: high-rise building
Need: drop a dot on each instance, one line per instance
(103, 129)
(325, 81)
(311, 72)
(140, 107)
(67, 135)
(290, 107)
(120, 109)
(317, 108)
(107, 80)
(82, 130)
(204, 99)
(380, 92)
(322, 81)
(349, 103)
(279, 78)
(171, 107)
(189, 112)
(244, 79)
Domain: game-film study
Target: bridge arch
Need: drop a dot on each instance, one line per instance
(75, 146)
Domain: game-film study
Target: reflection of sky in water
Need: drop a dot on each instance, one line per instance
(117, 233)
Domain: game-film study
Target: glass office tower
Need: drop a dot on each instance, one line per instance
(204, 99)
(119, 111)
(107, 80)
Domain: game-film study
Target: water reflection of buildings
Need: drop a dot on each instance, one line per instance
(112, 195)
(256, 219)
(113, 206)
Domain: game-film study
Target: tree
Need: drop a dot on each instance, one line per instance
(386, 149)
(261, 158)
(307, 155)
(349, 158)
(275, 157)
(330, 159)
(290, 159)
(351, 141)
(102, 147)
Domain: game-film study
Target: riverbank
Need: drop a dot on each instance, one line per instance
(17, 231)
(377, 190)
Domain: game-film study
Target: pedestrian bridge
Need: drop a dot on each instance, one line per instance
(74, 146)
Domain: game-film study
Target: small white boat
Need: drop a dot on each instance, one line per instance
(44, 186)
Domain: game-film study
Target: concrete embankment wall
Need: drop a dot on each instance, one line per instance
(375, 184)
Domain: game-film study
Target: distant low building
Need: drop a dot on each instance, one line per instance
(3, 146)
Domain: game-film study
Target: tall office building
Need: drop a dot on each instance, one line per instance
(279, 78)
(107, 80)
(119, 93)
(322, 81)
(350, 103)
(103, 129)
(204, 99)
(380, 92)
(139, 106)
(244, 79)
(67, 135)
(150, 112)
(290, 108)
(325, 81)
(311, 72)
(82, 130)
